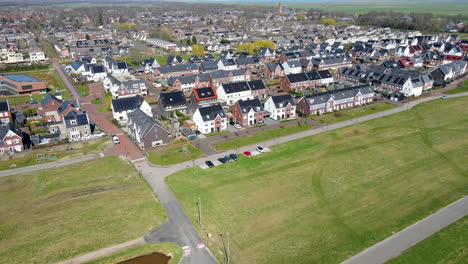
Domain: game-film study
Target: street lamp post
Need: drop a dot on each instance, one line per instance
(199, 212)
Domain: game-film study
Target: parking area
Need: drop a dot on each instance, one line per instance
(228, 158)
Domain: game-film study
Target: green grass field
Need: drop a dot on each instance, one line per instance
(352, 113)
(261, 136)
(83, 89)
(325, 198)
(163, 247)
(55, 153)
(173, 155)
(55, 214)
(463, 87)
(449, 245)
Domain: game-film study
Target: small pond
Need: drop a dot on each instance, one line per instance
(153, 258)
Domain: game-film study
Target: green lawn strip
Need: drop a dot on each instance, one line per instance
(24, 159)
(129, 61)
(325, 198)
(107, 107)
(55, 214)
(23, 99)
(161, 247)
(216, 133)
(173, 155)
(352, 113)
(261, 136)
(83, 89)
(460, 89)
(97, 101)
(449, 245)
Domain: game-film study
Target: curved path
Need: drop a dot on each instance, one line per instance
(178, 228)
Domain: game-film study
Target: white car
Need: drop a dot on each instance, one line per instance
(115, 139)
(260, 149)
(200, 245)
(187, 250)
(237, 126)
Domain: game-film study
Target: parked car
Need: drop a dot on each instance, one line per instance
(209, 163)
(260, 149)
(444, 97)
(248, 153)
(233, 156)
(222, 160)
(115, 139)
(237, 126)
(228, 159)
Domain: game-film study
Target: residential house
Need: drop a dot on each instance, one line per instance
(227, 64)
(115, 66)
(146, 132)
(207, 66)
(172, 101)
(334, 100)
(210, 119)
(267, 53)
(203, 95)
(10, 139)
(273, 70)
(188, 82)
(124, 85)
(258, 88)
(292, 66)
(122, 106)
(172, 60)
(150, 65)
(232, 92)
(165, 72)
(281, 107)
(449, 71)
(76, 125)
(248, 112)
(97, 73)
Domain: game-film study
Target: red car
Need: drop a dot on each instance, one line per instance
(247, 153)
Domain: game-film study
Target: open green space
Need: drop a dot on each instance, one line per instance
(449, 245)
(97, 101)
(162, 59)
(55, 153)
(325, 198)
(261, 136)
(461, 88)
(107, 107)
(352, 113)
(55, 214)
(83, 89)
(161, 247)
(173, 155)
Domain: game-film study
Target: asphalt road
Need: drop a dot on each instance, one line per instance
(398, 243)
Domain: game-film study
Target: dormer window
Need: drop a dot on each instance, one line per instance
(73, 122)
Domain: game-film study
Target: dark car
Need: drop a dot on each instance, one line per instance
(233, 156)
(222, 160)
(228, 159)
(209, 163)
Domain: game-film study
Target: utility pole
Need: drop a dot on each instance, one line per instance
(227, 257)
(199, 211)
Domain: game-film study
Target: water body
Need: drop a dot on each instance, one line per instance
(153, 258)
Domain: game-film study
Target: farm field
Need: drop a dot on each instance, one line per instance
(446, 246)
(55, 214)
(360, 7)
(325, 198)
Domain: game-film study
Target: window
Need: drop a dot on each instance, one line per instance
(15, 141)
(26, 87)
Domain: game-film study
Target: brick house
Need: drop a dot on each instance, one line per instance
(146, 132)
(248, 112)
(21, 84)
(273, 70)
(10, 139)
(295, 82)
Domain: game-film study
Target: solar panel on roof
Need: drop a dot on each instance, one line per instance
(20, 78)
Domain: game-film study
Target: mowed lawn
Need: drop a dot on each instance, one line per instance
(173, 155)
(261, 136)
(325, 198)
(352, 113)
(461, 88)
(55, 214)
(449, 245)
